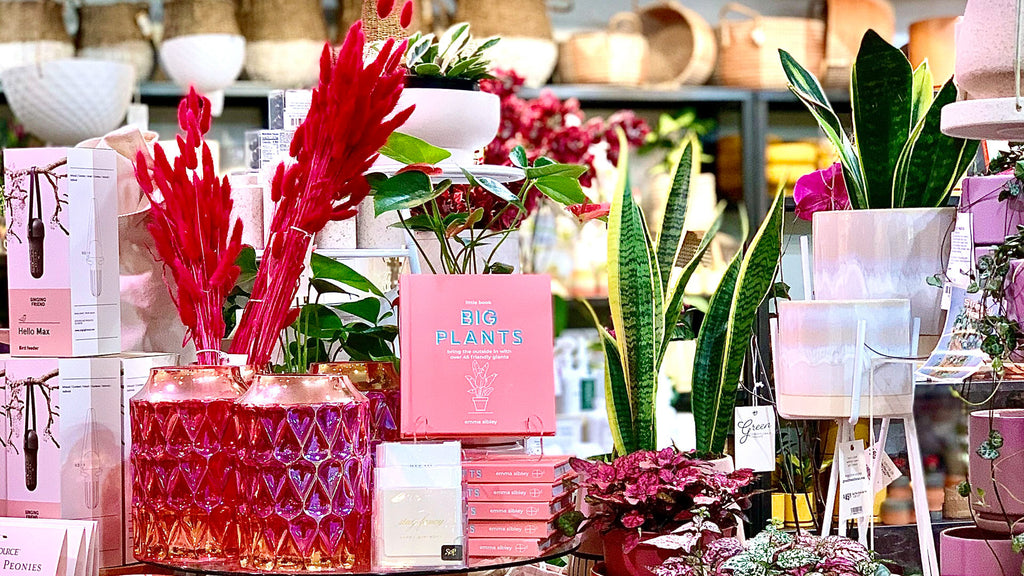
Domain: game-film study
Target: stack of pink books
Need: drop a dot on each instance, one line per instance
(513, 502)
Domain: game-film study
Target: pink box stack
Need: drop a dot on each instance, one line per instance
(513, 502)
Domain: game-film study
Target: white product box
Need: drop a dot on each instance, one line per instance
(62, 258)
(66, 433)
(134, 373)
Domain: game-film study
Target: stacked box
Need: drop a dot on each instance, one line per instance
(513, 502)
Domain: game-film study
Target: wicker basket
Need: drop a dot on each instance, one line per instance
(616, 56)
(683, 47)
(187, 17)
(749, 48)
(376, 29)
(284, 39)
(503, 18)
(935, 39)
(32, 32)
(846, 21)
(114, 32)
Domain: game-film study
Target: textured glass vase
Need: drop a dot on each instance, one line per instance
(306, 474)
(379, 382)
(184, 479)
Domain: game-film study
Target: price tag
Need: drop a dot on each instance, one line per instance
(28, 550)
(887, 470)
(854, 485)
(754, 429)
(961, 251)
(296, 107)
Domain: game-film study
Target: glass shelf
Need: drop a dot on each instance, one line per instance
(474, 565)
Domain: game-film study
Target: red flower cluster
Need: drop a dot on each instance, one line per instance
(190, 220)
(351, 117)
(659, 491)
(548, 127)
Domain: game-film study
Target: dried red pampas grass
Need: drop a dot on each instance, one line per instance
(190, 220)
(351, 117)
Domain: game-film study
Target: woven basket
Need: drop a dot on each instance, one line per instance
(616, 56)
(32, 32)
(503, 18)
(113, 32)
(376, 29)
(846, 21)
(749, 48)
(284, 39)
(187, 17)
(935, 39)
(683, 47)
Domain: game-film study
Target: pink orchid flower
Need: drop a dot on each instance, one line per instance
(821, 190)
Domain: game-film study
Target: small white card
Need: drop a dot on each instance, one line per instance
(854, 485)
(80, 551)
(754, 428)
(961, 251)
(887, 470)
(33, 550)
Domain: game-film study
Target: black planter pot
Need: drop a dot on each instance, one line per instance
(412, 81)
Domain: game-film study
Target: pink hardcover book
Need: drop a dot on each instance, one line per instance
(532, 492)
(511, 528)
(477, 356)
(516, 468)
(517, 510)
(511, 547)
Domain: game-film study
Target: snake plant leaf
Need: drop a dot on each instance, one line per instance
(923, 92)
(807, 89)
(931, 162)
(756, 278)
(707, 364)
(677, 285)
(670, 238)
(632, 281)
(881, 87)
(616, 391)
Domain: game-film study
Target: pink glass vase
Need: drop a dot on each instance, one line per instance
(379, 382)
(184, 479)
(306, 474)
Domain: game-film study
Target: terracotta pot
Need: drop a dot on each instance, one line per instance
(636, 562)
(969, 551)
(1004, 470)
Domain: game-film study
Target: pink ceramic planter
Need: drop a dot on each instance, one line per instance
(1006, 470)
(993, 220)
(969, 551)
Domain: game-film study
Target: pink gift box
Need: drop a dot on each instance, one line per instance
(994, 220)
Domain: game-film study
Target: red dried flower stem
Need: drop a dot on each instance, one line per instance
(190, 221)
(350, 118)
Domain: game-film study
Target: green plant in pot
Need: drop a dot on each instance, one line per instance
(898, 170)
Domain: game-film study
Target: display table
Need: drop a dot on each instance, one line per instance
(474, 565)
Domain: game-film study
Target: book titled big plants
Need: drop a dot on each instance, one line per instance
(477, 356)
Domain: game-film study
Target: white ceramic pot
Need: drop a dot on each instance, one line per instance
(884, 254)
(14, 54)
(337, 235)
(460, 121)
(507, 253)
(985, 44)
(67, 101)
(210, 62)
(136, 53)
(816, 351)
(377, 231)
(284, 63)
(247, 205)
(532, 58)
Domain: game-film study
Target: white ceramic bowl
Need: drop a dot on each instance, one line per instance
(210, 62)
(460, 121)
(67, 101)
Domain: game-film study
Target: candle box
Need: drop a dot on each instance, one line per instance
(135, 369)
(516, 468)
(531, 492)
(517, 510)
(62, 251)
(65, 456)
(510, 528)
(511, 547)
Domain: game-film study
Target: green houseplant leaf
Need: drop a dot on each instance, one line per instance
(412, 150)
(671, 233)
(403, 191)
(881, 86)
(922, 99)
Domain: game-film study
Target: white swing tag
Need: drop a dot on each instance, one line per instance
(754, 428)
(887, 470)
(854, 485)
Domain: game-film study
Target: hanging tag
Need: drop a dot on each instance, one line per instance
(887, 470)
(754, 428)
(961, 251)
(138, 116)
(854, 486)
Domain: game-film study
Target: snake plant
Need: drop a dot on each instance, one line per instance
(645, 294)
(898, 157)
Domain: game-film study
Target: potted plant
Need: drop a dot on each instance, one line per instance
(771, 552)
(898, 170)
(653, 493)
(443, 82)
(794, 501)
